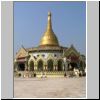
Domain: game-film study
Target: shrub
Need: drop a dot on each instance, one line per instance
(19, 74)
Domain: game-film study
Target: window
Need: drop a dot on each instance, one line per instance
(37, 55)
(43, 55)
(55, 55)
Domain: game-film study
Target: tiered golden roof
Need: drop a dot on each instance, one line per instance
(49, 38)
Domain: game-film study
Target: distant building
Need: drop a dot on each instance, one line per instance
(48, 56)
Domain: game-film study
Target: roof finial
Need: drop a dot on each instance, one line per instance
(49, 13)
(49, 25)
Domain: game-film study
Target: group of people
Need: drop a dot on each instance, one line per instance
(43, 75)
(75, 73)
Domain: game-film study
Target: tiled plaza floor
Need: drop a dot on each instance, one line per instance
(50, 87)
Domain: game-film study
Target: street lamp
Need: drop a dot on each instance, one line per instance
(66, 62)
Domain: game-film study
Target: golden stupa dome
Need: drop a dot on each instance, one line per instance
(49, 38)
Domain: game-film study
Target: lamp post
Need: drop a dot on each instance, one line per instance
(65, 65)
(66, 62)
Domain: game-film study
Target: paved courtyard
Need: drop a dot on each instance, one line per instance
(50, 87)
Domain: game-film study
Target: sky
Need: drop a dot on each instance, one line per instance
(68, 23)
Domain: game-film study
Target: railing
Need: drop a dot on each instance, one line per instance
(40, 73)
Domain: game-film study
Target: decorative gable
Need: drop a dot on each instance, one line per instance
(21, 53)
(71, 52)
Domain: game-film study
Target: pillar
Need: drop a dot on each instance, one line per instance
(15, 66)
(46, 68)
(63, 67)
(26, 66)
(56, 68)
(35, 67)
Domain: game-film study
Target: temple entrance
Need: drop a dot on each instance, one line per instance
(40, 65)
(50, 65)
(60, 65)
(72, 65)
(21, 67)
(82, 65)
(31, 66)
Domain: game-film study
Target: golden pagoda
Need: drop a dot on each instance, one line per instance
(49, 38)
(48, 57)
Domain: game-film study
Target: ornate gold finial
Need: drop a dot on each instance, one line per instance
(49, 25)
(49, 13)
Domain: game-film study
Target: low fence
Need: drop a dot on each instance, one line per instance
(46, 74)
(38, 74)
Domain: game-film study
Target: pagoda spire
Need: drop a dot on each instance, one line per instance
(49, 38)
(49, 24)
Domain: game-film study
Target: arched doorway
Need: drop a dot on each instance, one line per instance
(21, 67)
(31, 66)
(50, 65)
(82, 65)
(60, 66)
(40, 65)
(73, 65)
